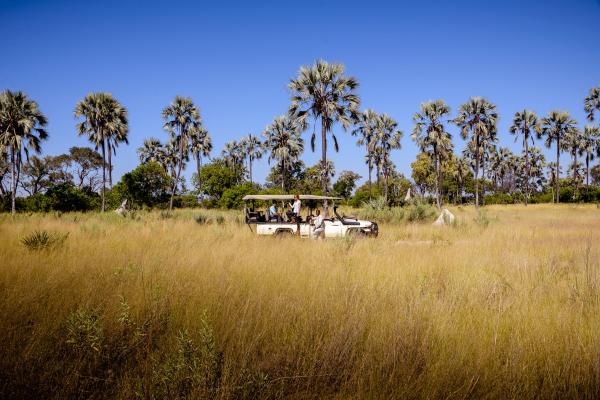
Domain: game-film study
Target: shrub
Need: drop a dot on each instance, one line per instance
(40, 240)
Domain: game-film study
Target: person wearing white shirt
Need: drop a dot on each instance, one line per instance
(296, 207)
(319, 225)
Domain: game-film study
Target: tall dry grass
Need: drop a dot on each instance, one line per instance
(500, 305)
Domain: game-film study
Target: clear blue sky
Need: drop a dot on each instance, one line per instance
(235, 60)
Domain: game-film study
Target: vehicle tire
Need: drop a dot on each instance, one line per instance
(285, 233)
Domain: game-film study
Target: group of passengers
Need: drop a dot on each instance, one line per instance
(294, 215)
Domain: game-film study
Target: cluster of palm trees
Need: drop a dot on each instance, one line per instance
(321, 96)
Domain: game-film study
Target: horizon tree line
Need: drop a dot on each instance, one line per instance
(320, 96)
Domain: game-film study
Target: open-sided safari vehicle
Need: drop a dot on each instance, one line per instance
(283, 224)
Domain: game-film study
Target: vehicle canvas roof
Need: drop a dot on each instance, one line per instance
(287, 197)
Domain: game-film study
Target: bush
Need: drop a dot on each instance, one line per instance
(43, 240)
(232, 197)
(378, 211)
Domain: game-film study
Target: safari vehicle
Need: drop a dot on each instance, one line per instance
(283, 224)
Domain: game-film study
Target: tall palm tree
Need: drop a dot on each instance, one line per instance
(590, 145)
(555, 127)
(253, 149)
(388, 138)
(102, 115)
(431, 136)
(477, 119)
(284, 143)
(201, 147)
(365, 129)
(151, 151)
(323, 92)
(21, 129)
(525, 123)
(574, 143)
(591, 104)
(234, 155)
(182, 119)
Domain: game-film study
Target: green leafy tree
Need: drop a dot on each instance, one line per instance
(21, 130)
(477, 120)
(86, 162)
(423, 173)
(293, 175)
(215, 178)
(182, 120)
(284, 144)
(430, 134)
(41, 173)
(232, 197)
(525, 123)
(555, 127)
(103, 120)
(346, 183)
(233, 154)
(323, 92)
(460, 174)
(147, 185)
(365, 130)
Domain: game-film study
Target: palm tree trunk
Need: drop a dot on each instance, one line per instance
(13, 181)
(557, 170)
(437, 179)
(283, 176)
(180, 161)
(250, 168)
(109, 148)
(477, 172)
(527, 170)
(324, 159)
(370, 170)
(103, 174)
(587, 170)
(198, 164)
(575, 174)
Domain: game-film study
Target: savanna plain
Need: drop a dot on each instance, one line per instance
(504, 303)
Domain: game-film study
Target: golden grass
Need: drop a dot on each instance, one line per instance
(501, 306)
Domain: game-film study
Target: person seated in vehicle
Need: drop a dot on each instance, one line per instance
(318, 225)
(272, 213)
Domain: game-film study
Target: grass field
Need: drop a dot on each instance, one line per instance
(502, 305)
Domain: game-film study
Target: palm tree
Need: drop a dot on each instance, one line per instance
(182, 119)
(322, 91)
(327, 169)
(365, 129)
(573, 143)
(590, 144)
(102, 115)
(253, 148)
(477, 118)
(430, 134)
(284, 143)
(525, 123)
(151, 151)
(21, 129)
(555, 127)
(592, 103)
(201, 147)
(388, 138)
(234, 155)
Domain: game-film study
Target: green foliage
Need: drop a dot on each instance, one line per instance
(378, 211)
(214, 179)
(43, 240)
(345, 184)
(232, 197)
(147, 185)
